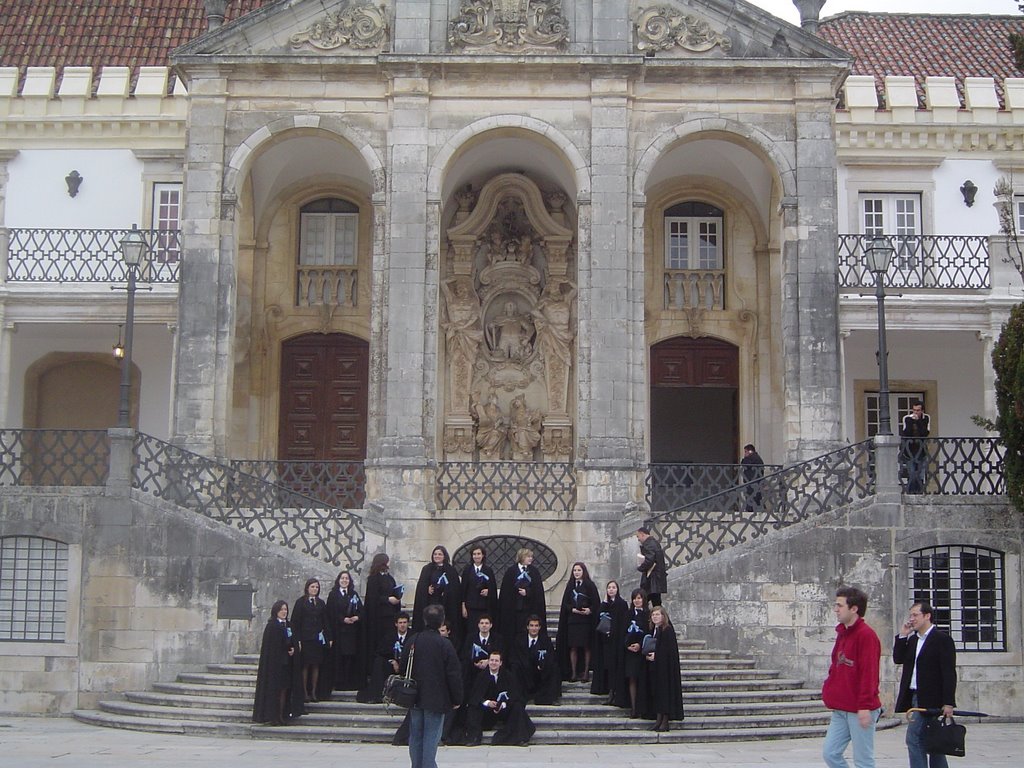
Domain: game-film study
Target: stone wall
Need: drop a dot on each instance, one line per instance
(142, 595)
(772, 598)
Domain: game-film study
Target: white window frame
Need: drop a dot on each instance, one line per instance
(898, 214)
(899, 406)
(328, 255)
(696, 255)
(168, 199)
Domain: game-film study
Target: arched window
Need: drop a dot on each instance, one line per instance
(33, 589)
(328, 253)
(501, 553)
(694, 265)
(964, 584)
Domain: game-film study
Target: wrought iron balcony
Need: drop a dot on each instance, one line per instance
(506, 485)
(340, 484)
(943, 262)
(953, 466)
(87, 256)
(671, 486)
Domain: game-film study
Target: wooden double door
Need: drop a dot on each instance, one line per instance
(324, 394)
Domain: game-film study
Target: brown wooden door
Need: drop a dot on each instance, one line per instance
(694, 402)
(324, 382)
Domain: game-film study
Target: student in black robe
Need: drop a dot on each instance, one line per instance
(664, 680)
(278, 680)
(479, 590)
(535, 664)
(522, 595)
(609, 654)
(634, 667)
(496, 701)
(382, 601)
(309, 622)
(577, 618)
(475, 650)
(345, 616)
(438, 584)
(391, 658)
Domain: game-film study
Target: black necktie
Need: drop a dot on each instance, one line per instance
(532, 641)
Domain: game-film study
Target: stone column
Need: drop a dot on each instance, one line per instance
(206, 298)
(810, 287)
(408, 324)
(611, 288)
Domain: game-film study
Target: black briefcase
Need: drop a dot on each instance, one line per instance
(942, 738)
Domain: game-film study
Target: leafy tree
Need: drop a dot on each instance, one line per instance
(1008, 364)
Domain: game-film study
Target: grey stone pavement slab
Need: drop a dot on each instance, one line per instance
(38, 742)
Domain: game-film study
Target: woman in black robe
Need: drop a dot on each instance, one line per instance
(633, 665)
(609, 653)
(383, 601)
(522, 595)
(577, 618)
(664, 681)
(345, 616)
(438, 584)
(309, 622)
(479, 591)
(278, 682)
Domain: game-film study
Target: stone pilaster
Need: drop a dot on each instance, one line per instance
(813, 297)
(612, 30)
(206, 306)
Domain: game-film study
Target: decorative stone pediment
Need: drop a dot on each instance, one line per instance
(662, 27)
(361, 25)
(289, 28)
(509, 26)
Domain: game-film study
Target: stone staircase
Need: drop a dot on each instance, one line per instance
(725, 698)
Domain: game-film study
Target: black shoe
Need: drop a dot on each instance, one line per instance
(473, 742)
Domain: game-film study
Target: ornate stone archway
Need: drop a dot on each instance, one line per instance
(508, 322)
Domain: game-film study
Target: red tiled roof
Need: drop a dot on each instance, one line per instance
(926, 46)
(98, 33)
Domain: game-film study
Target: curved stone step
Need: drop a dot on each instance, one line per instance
(200, 689)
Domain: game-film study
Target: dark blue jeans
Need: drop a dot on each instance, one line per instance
(424, 736)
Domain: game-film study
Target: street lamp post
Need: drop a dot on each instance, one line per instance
(878, 253)
(133, 245)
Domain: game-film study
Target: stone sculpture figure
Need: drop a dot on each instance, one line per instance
(509, 334)
(524, 430)
(553, 319)
(492, 429)
(463, 334)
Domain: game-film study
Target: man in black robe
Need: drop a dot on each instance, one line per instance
(496, 701)
(535, 663)
(391, 658)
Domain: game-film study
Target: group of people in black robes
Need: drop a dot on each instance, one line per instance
(348, 642)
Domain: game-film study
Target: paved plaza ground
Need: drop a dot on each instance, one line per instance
(56, 742)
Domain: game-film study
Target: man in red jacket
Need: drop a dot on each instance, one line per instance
(851, 688)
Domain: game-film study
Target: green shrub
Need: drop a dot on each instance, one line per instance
(1008, 364)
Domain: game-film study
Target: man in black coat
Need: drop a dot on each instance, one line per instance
(435, 668)
(654, 573)
(928, 656)
(535, 663)
(496, 700)
(391, 658)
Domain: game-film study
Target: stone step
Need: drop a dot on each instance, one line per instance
(199, 689)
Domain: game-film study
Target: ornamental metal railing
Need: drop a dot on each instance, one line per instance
(777, 500)
(953, 466)
(336, 483)
(249, 503)
(54, 457)
(671, 486)
(89, 256)
(506, 485)
(951, 262)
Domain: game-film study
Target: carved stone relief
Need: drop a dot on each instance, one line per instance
(360, 25)
(508, 322)
(662, 27)
(509, 26)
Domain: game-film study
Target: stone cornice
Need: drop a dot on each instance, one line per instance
(936, 140)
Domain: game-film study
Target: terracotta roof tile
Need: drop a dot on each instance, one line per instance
(922, 45)
(98, 33)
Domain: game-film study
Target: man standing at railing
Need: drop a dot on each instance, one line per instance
(753, 470)
(653, 571)
(915, 426)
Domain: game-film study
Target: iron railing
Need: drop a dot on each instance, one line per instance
(89, 256)
(671, 486)
(336, 483)
(507, 485)
(777, 500)
(956, 465)
(230, 496)
(919, 261)
(58, 457)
